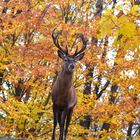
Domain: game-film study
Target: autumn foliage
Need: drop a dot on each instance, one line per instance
(107, 80)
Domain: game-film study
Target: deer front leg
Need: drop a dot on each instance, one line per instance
(69, 116)
(63, 118)
(59, 117)
(55, 113)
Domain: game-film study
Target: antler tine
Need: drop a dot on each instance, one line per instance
(55, 39)
(76, 51)
(84, 40)
(66, 51)
(66, 48)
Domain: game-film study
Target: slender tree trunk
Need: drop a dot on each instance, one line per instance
(88, 81)
(112, 99)
(87, 91)
(114, 89)
(129, 131)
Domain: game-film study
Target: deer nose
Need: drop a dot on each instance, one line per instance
(72, 66)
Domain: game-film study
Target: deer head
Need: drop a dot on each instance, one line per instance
(69, 61)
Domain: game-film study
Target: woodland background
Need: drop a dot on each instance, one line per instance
(107, 80)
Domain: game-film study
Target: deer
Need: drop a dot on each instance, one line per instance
(64, 96)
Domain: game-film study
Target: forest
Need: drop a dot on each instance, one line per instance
(107, 79)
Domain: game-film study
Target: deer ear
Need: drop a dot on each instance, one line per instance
(61, 55)
(79, 57)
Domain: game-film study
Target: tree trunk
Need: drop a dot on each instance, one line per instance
(87, 91)
(129, 131)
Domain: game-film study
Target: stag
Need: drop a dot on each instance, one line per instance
(63, 93)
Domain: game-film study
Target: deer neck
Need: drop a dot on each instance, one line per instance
(66, 79)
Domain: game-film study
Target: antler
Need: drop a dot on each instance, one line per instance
(56, 42)
(84, 40)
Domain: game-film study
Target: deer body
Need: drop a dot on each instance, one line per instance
(63, 93)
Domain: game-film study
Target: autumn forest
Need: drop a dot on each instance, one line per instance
(107, 79)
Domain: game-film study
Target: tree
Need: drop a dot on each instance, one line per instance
(108, 88)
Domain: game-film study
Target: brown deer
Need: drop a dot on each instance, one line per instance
(63, 93)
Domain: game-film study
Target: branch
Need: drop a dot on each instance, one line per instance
(138, 129)
(43, 14)
(48, 98)
(104, 88)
